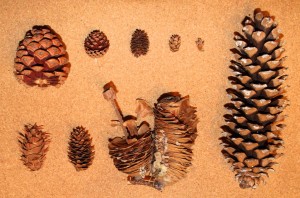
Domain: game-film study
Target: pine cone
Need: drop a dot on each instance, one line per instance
(200, 44)
(41, 58)
(96, 44)
(139, 43)
(252, 134)
(81, 152)
(174, 42)
(34, 146)
(160, 157)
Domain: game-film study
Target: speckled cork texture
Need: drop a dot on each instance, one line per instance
(202, 75)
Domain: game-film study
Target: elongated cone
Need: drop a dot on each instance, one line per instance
(139, 43)
(251, 136)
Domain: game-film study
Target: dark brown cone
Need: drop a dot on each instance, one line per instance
(251, 136)
(139, 43)
(34, 146)
(175, 42)
(96, 44)
(41, 58)
(81, 152)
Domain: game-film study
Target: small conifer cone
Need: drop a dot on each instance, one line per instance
(81, 152)
(34, 146)
(251, 136)
(175, 42)
(139, 43)
(96, 44)
(200, 44)
(41, 58)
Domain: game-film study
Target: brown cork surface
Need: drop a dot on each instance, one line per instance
(200, 74)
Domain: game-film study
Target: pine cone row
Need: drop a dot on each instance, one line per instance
(41, 58)
(96, 44)
(175, 42)
(252, 134)
(139, 43)
(34, 146)
(81, 152)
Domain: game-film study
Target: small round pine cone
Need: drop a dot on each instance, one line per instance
(175, 42)
(81, 152)
(41, 58)
(139, 43)
(96, 44)
(34, 146)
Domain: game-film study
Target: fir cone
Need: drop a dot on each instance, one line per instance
(41, 58)
(160, 157)
(200, 44)
(81, 152)
(175, 42)
(139, 43)
(96, 44)
(252, 134)
(34, 146)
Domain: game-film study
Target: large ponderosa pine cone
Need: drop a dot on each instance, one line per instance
(252, 134)
(41, 58)
(34, 146)
(139, 43)
(96, 44)
(160, 157)
(81, 152)
(175, 42)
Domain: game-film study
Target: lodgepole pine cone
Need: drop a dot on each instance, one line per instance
(160, 157)
(139, 43)
(252, 134)
(81, 152)
(41, 58)
(175, 42)
(96, 44)
(34, 146)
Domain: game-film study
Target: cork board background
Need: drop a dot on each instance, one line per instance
(202, 75)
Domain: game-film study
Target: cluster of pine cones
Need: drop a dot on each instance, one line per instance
(161, 156)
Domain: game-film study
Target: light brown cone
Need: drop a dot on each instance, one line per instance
(34, 146)
(251, 136)
(81, 152)
(96, 44)
(41, 58)
(175, 42)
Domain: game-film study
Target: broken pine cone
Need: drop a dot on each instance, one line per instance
(81, 152)
(175, 42)
(200, 44)
(96, 44)
(41, 58)
(139, 43)
(251, 136)
(34, 144)
(158, 157)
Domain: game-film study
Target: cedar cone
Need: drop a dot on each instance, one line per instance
(41, 58)
(139, 43)
(34, 146)
(252, 134)
(81, 152)
(174, 42)
(96, 44)
(160, 157)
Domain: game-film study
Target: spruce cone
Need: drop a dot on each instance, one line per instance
(252, 134)
(160, 157)
(96, 44)
(139, 43)
(81, 152)
(34, 146)
(175, 42)
(41, 58)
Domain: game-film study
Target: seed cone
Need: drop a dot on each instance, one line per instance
(160, 157)
(34, 146)
(41, 58)
(96, 44)
(139, 43)
(81, 152)
(175, 42)
(251, 136)
(200, 44)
